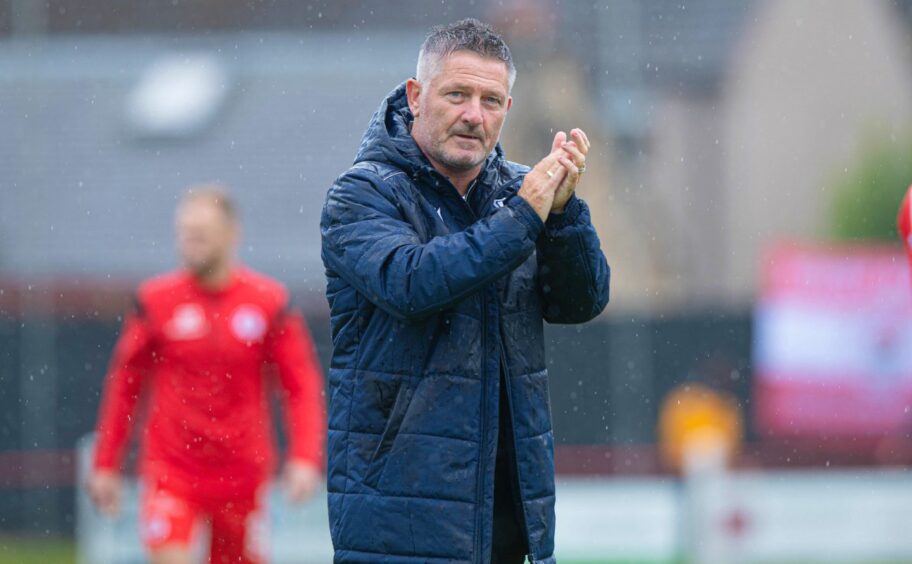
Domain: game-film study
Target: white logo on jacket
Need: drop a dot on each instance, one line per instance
(248, 323)
(187, 322)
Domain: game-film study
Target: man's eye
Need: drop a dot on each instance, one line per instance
(455, 95)
(493, 100)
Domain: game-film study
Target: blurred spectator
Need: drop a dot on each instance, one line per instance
(700, 418)
(197, 344)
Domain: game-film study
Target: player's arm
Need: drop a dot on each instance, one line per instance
(131, 361)
(301, 381)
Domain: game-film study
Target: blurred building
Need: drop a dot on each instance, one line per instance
(814, 81)
(97, 148)
(733, 117)
(718, 123)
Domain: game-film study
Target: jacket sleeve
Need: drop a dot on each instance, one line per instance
(131, 361)
(573, 273)
(292, 351)
(367, 242)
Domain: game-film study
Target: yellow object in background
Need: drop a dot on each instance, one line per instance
(695, 418)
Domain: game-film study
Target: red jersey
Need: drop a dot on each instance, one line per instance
(202, 357)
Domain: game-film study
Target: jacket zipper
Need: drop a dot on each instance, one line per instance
(480, 477)
(509, 394)
(480, 474)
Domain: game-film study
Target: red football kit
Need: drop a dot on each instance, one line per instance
(204, 359)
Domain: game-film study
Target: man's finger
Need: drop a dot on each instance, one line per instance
(579, 137)
(575, 153)
(559, 139)
(571, 169)
(582, 139)
(549, 162)
(556, 174)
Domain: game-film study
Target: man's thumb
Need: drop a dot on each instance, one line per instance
(559, 138)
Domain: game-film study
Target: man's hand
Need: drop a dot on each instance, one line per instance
(574, 161)
(104, 488)
(301, 480)
(540, 185)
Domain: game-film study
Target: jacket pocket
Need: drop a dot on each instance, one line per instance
(379, 458)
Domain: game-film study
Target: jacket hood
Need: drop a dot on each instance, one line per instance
(388, 138)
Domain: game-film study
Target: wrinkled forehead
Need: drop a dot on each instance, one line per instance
(471, 68)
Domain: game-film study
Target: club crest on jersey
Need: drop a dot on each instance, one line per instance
(187, 322)
(248, 323)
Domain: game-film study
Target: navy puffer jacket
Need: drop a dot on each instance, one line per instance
(431, 296)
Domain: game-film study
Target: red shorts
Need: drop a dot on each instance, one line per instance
(237, 527)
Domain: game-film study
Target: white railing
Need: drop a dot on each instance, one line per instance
(846, 516)
(298, 534)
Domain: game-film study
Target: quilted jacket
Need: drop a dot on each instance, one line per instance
(431, 297)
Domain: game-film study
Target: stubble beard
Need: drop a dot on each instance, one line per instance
(459, 164)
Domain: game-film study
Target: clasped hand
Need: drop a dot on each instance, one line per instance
(551, 182)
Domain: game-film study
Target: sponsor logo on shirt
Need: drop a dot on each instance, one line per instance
(248, 323)
(187, 322)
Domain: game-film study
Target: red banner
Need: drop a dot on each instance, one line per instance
(833, 342)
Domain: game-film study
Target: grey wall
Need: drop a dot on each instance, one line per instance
(81, 196)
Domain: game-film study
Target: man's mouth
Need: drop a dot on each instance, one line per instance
(467, 137)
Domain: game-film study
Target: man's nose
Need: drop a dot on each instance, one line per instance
(472, 114)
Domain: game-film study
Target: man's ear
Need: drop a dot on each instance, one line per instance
(413, 93)
(509, 102)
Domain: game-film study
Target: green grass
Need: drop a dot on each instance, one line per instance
(57, 550)
(37, 550)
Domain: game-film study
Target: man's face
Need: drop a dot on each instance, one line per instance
(459, 110)
(205, 236)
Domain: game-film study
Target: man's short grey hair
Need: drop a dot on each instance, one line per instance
(464, 35)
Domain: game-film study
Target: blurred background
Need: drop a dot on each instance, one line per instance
(745, 397)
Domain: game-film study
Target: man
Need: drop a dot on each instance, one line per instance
(197, 344)
(442, 260)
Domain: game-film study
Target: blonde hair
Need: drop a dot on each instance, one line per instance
(215, 194)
